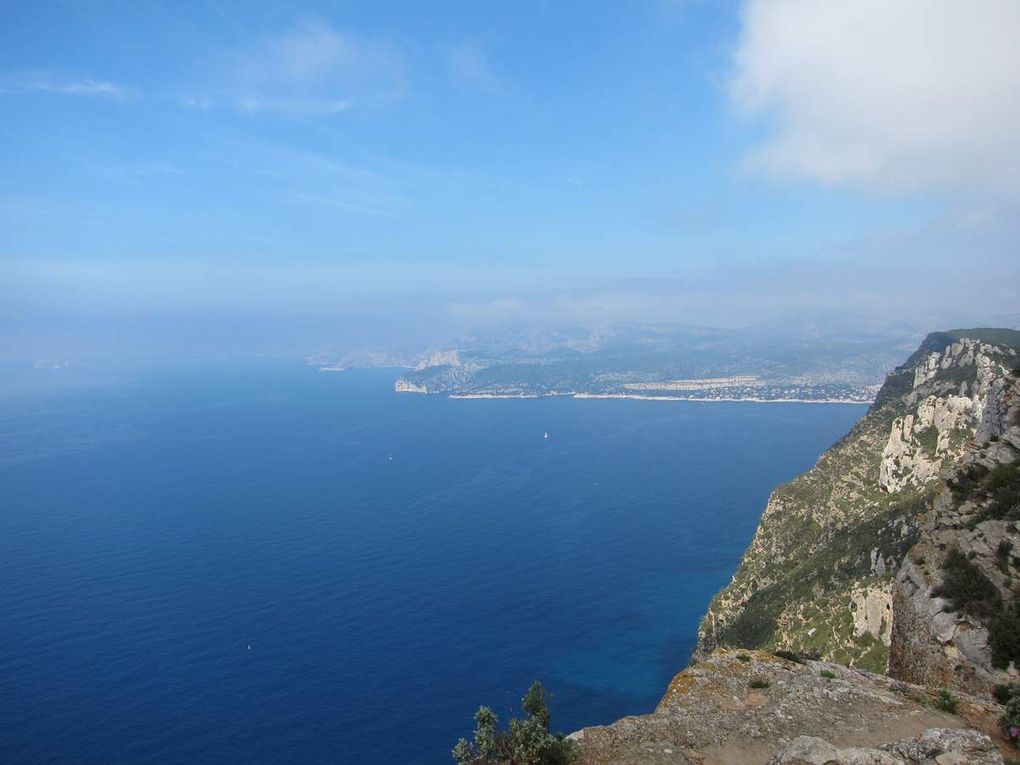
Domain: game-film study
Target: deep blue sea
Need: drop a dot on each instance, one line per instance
(273, 564)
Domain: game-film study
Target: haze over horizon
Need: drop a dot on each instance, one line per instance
(624, 381)
(221, 177)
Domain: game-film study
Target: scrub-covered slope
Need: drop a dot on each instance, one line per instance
(818, 577)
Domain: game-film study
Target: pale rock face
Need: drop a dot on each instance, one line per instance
(906, 460)
(406, 386)
(440, 359)
(806, 750)
(943, 419)
(935, 646)
(931, 643)
(871, 608)
(938, 746)
(947, 747)
(878, 567)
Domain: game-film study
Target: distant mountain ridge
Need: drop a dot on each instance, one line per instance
(656, 360)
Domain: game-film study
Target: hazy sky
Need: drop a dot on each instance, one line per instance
(263, 176)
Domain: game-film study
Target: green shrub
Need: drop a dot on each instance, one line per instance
(758, 683)
(928, 439)
(526, 741)
(1004, 693)
(999, 487)
(789, 656)
(1002, 554)
(755, 624)
(1010, 720)
(1004, 637)
(967, 481)
(947, 701)
(1003, 488)
(966, 588)
(827, 673)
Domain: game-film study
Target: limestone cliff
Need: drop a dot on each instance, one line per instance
(956, 621)
(822, 575)
(898, 551)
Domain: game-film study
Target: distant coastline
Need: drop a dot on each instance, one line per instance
(728, 399)
(638, 397)
(506, 395)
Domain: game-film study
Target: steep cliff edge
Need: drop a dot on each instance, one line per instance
(899, 551)
(823, 573)
(956, 620)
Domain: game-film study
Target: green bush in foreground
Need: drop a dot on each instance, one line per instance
(1004, 637)
(966, 587)
(1010, 720)
(947, 701)
(526, 741)
(1003, 693)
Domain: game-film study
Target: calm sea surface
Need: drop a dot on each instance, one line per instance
(273, 564)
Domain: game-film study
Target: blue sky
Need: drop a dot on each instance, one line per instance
(467, 163)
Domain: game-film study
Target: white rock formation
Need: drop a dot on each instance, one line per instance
(406, 386)
(944, 418)
(871, 608)
(440, 359)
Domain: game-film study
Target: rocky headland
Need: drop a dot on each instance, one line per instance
(875, 616)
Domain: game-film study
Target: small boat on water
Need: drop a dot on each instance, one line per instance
(546, 436)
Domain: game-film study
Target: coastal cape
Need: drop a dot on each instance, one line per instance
(878, 587)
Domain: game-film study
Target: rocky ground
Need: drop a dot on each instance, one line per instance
(815, 712)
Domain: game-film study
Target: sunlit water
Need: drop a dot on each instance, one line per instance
(277, 564)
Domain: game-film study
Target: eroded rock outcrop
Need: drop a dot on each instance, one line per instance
(939, 636)
(939, 746)
(823, 564)
(952, 389)
(753, 707)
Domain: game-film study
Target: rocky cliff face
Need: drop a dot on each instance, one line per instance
(828, 571)
(898, 551)
(439, 372)
(966, 638)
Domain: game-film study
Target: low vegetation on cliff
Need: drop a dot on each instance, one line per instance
(819, 575)
(525, 741)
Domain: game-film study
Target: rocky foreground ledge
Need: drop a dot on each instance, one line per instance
(740, 707)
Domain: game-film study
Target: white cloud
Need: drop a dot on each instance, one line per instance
(50, 82)
(885, 94)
